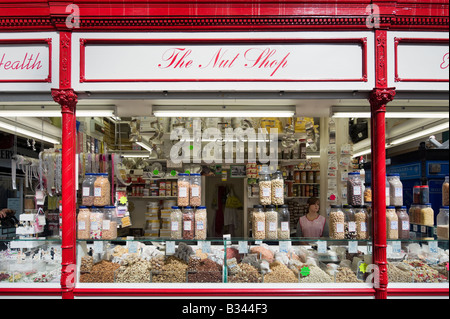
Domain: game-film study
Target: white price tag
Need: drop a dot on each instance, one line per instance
(352, 226)
(98, 192)
(433, 245)
(279, 193)
(182, 192)
(170, 247)
(272, 226)
(86, 191)
(284, 246)
(396, 247)
(98, 247)
(258, 242)
(322, 247)
(353, 247)
(266, 192)
(243, 247)
(195, 192)
(205, 246)
(132, 247)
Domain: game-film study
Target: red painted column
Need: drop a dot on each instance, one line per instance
(66, 97)
(379, 97)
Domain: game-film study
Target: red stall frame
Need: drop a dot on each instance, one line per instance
(224, 15)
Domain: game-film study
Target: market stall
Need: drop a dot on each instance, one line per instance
(189, 168)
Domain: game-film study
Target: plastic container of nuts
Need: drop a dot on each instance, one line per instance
(271, 222)
(350, 222)
(176, 223)
(201, 223)
(84, 223)
(183, 190)
(396, 190)
(354, 189)
(258, 222)
(265, 186)
(277, 188)
(188, 223)
(88, 189)
(102, 190)
(195, 190)
(284, 231)
(336, 222)
(391, 223)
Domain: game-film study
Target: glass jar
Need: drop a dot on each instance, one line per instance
(442, 223)
(354, 189)
(284, 231)
(102, 190)
(336, 222)
(350, 222)
(195, 190)
(176, 223)
(426, 215)
(403, 222)
(109, 225)
(391, 223)
(96, 221)
(84, 223)
(368, 195)
(445, 192)
(271, 222)
(88, 190)
(265, 186)
(424, 194)
(201, 223)
(277, 188)
(388, 192)
(183, 190)
(258, 222)
(396, 190)
(361, 219)
(188, 223)
(416, 195)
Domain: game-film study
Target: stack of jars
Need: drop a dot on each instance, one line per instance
(97, 223)
(271, 222)
(188, 223)
(271, 188)
(189, 190)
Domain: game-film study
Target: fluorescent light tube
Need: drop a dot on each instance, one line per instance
(14, 129)
(422, 133)
(54, 113)
(256, 113)
(145, 145)
(395, 115)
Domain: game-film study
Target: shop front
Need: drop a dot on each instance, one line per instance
(186, 156)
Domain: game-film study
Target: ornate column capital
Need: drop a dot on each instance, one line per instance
(67, 98)
(379, 97)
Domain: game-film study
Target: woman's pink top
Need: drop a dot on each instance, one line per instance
(314, 228)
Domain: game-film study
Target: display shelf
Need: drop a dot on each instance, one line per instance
(152, 197)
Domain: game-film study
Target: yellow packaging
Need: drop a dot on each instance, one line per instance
(300, 123)
(272, 122)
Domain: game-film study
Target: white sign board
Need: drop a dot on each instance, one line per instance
(421, 60)
(297, 60)
(25, 60)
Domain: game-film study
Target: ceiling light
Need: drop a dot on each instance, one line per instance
(408, 112)
(423, 133)
(228, 111)
(145, 145)
(54, 113)
(21, 131)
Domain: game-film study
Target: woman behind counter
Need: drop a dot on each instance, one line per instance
(312, 225)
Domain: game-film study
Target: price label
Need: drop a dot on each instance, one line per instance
(285, 246)
(133, 247)
(433, 245)
(170, 247)
(353, 247)
(243, 247)
(322, 247)
(396, 247)
(258, 242)
(205, 246)
(98, 247)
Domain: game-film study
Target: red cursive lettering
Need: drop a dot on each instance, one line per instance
(445, 63)
(218, 60)
(264, 60)
(176, 58)
(29, 62)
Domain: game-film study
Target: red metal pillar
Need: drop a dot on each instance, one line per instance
(66, 97)
(380, 96)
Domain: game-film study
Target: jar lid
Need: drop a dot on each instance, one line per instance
(183, 174)
(82, 207)
(283, 206)
(195, 174)
(418, 186)
(110, 207)
(390, 207)
(188, 207)
(400, 207)
(270, 206)
(335, 206)
(354, 173)
(442, 207)
(348, 206)
(393, 174)
(175, 207)
(424, 186)
(258, 206)
(201, 207)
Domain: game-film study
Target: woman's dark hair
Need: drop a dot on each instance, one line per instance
(313, 201)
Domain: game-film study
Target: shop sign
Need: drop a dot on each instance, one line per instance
(224, 60)
(421, 60)
(25, 60)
